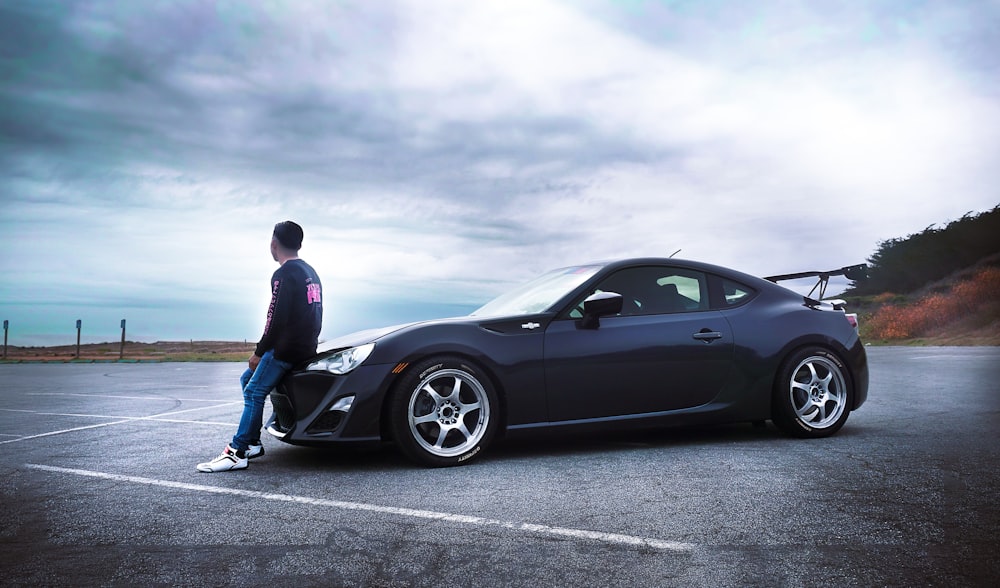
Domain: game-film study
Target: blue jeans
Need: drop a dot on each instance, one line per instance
(257, 384)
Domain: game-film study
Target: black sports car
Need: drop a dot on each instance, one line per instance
(630, 343)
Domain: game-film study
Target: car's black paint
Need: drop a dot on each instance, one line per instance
(564, 368)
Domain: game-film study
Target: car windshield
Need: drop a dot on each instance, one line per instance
(539, 294)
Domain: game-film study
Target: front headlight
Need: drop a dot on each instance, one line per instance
(344, 361)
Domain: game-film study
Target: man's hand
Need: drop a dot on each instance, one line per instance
(254, 360)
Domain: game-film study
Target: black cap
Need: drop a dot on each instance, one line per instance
(289, 235)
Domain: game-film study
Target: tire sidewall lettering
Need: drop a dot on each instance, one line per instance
(469, 454)
(423, 375)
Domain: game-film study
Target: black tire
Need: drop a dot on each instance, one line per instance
(443, 412)
(813, 394)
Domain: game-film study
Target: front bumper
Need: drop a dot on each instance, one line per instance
(318, 408)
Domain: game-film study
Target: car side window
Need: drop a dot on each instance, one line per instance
(655, 290)
(735, 293)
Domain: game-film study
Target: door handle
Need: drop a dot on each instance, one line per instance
(707, 335)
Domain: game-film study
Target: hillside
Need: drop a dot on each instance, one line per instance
(961, 309)
(936, 287)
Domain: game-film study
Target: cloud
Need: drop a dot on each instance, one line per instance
(439, 151)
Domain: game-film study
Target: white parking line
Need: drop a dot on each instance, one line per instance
(97, 416)
(612, 538)
(51, 433)
(118, 420)
(120, 397)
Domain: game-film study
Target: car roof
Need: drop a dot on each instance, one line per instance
(684, 263)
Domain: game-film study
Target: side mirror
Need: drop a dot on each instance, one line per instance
(598, 305)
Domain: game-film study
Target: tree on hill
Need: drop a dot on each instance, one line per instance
(904, 265)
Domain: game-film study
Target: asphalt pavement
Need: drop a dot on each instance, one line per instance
(98, 488)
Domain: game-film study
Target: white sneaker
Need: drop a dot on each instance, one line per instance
(255, 451)
(229, 460)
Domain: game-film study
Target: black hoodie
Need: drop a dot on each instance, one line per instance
(295, 316)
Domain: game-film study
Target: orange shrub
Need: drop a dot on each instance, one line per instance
(934, 310)
(984, 286)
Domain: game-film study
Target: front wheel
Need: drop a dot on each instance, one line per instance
(443, 412)
(812, 394)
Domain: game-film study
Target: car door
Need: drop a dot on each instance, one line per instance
(665, 351)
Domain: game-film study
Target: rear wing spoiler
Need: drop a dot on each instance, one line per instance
(851, 272)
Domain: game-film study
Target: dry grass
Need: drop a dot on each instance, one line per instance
(136, 352)
(961, 312)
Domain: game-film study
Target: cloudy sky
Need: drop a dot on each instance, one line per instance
(438, 152)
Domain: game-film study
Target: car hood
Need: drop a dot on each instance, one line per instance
(369, 335)
(358, 338)
(495, 324)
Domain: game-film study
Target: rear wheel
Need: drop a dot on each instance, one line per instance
(443, 412)
(812, 394)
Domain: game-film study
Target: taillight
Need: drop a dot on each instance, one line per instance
(853, 319)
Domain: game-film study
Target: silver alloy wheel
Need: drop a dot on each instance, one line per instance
(449, 412)
(818, 392)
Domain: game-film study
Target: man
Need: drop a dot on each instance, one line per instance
(294, 319)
